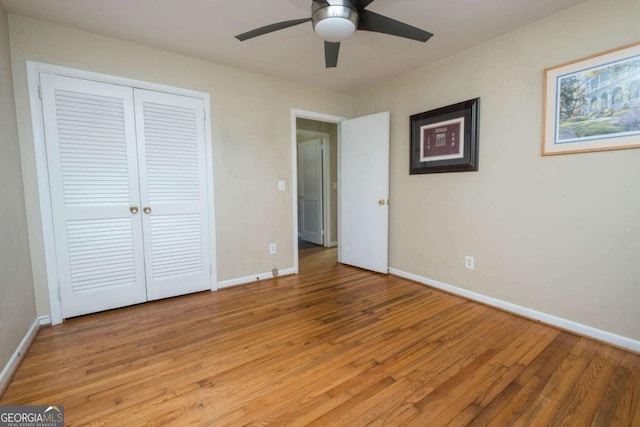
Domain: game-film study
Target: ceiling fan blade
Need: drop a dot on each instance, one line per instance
(270, 28)
(331, 51)
(361, 4)
(370, 21)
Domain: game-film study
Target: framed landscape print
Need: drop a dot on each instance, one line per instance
(593, 103)
(445, 139)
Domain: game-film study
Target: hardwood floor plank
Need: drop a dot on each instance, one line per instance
(587, 393)
(557, 387)
(529, 383)
(334, 345)
(627, 410)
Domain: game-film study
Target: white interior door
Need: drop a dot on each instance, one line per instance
(310, 190)
(93, 174)
(363, 235)
(174, 199)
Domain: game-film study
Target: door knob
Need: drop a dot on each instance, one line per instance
(382, 202)
(134, 209)
(146, 210)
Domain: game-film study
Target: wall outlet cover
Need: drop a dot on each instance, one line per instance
(469, 262)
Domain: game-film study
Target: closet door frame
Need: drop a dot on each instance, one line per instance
(34, 69)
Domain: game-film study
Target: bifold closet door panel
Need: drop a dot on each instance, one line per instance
(171, 151)
(93, 177)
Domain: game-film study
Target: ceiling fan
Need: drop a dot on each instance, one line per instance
(336, 20)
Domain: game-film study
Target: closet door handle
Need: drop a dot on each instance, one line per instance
(146, 210)
(134, 209)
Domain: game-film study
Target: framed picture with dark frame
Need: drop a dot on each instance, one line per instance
(445, 139)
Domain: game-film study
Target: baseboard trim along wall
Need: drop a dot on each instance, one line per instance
(559, 322)
(254, 278)
(16, 358)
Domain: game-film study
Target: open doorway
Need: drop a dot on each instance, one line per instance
(316, 178)
(362, 188)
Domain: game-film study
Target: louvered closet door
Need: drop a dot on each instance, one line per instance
(92, 160)
(171, 152)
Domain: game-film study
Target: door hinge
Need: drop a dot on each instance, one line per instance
(59, 295)
(40, 92)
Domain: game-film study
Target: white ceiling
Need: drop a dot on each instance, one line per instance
(206, 29)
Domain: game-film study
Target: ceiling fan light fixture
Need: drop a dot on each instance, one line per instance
(334, 23)
(335, 29)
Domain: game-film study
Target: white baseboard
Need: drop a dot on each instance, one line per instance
(254, 278)
(333, 244)
(44, 320)
(559, 322)
(12, 365)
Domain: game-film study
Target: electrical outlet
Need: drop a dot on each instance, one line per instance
(273, 249)
(281, 185)
(469, 262)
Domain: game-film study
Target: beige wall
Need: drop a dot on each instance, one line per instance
(332, 130)
(251, 131)
(557, 234)
(17, 307)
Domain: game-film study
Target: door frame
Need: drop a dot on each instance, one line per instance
(320, 117)
(326, 182)
(42, 170)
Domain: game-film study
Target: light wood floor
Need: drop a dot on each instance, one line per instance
(333, 346)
